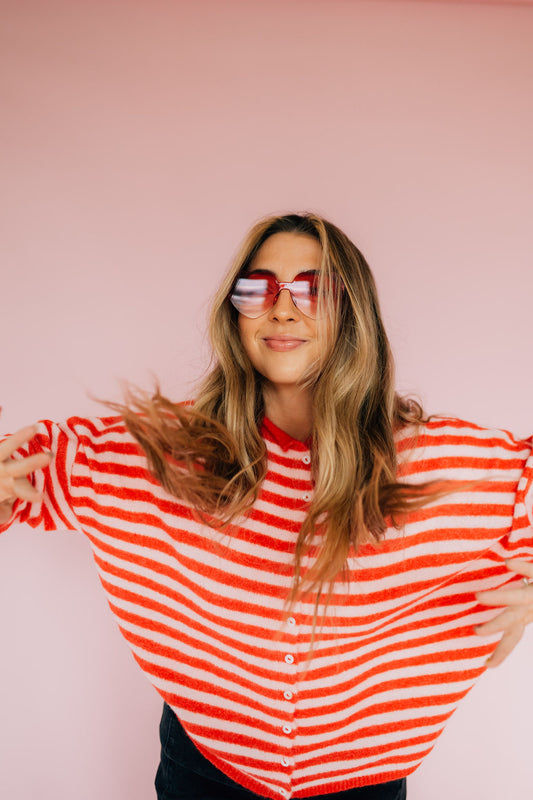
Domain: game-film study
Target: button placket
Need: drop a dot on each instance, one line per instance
(307, 495)
(288, 694)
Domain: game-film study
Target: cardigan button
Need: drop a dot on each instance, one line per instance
(289, 659)
(306, 459)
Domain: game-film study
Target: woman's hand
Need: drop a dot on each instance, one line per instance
(513, 619)
(14, 480)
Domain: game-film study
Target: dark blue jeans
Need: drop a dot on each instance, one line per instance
(184, 774)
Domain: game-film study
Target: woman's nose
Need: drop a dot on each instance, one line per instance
(284, 307)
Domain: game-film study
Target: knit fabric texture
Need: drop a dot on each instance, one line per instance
(204, 610)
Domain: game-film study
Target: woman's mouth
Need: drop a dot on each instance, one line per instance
(281, 344)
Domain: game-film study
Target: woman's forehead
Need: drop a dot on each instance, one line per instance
(285, 255)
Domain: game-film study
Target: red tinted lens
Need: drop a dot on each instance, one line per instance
(304, 291)
(254, 294)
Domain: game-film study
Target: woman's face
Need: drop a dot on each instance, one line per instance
(283, 343)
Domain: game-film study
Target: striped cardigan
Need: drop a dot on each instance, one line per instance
(203, 611)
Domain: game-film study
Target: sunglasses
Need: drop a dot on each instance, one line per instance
(255, 294)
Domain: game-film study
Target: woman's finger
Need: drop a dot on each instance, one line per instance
(506, 644)
(25, 491)
(502, 622)
(22, 467)
(520, 567)
(519, 595)
(16, 440)
(18, 489)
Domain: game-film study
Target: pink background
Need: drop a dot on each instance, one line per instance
(140, 141)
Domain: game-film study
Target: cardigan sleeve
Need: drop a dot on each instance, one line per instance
(494, 474)
(82, 448)
(520, 539)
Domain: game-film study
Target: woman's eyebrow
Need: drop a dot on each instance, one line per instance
(254, 271)
(271, 272)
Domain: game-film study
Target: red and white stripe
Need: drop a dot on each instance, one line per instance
(204, 611)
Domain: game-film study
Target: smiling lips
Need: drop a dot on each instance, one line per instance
(283, 343)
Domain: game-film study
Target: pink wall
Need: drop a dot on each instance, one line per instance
(141, 139)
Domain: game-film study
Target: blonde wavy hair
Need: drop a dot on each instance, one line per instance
(211, 453)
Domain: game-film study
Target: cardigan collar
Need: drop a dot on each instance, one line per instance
(274, 434)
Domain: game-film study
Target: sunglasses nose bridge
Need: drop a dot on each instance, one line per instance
(284, 287)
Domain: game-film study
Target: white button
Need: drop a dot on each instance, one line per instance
(289, 659)
(283, 793)
(287, 729)
(285, 761)
(291, 621)
(288, 695)
(306, 459)
(306, 497)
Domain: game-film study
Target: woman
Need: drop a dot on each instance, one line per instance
(297, 559)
